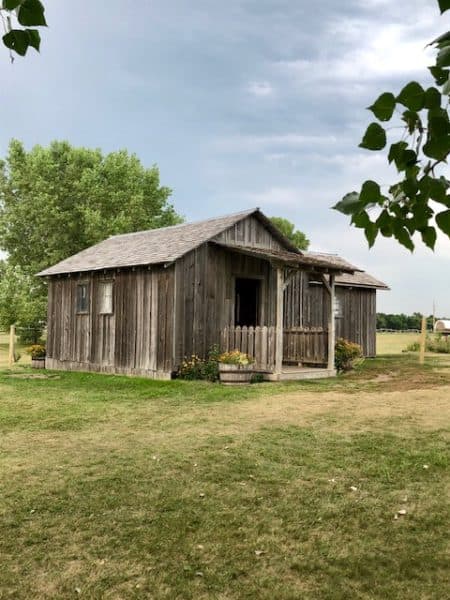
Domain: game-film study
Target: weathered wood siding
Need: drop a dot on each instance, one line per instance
(250, 232)
(205, 296)
(136, 338)
(307, 305)
(359, 317)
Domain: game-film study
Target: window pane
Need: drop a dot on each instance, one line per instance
(82, 297)
(106, 297)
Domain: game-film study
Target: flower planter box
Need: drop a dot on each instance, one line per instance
(38, 363)
(235, 374)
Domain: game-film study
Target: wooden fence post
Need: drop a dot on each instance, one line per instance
(12, 340)
(423, 337)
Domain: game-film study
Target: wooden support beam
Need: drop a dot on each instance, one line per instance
(331, 325)
(330, 287)
(279, 321)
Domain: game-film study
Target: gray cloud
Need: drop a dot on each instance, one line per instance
(240, 103)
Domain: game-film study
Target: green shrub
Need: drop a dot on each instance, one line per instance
(198, 368)
(347, 355)
(437, 343)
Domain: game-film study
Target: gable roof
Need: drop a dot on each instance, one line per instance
(156, 246)
(359, 278)
(294, 259)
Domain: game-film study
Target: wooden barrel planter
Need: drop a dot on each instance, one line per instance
(38, 363)
(235, 374)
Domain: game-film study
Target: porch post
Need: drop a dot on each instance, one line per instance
(331, 325)
(279, 322)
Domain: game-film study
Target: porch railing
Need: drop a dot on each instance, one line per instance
(258, 342)
(300, 345)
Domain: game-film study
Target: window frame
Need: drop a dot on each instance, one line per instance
(78, 297)
(102, 283)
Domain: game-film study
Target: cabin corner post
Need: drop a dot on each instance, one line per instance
(279, 321)
(331, 325)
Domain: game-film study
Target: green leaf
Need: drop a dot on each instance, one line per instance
(34, 38)
(360, 219)
(349, 204)
(409, 187)
(31, 12)
(17, 40)
(443, 221)
(412, 120)
(412, 96)
(383, 107)
(438, 190)
(444, 5)
(396, 150)
(11, 4)
(374, 138)
(429, 236)
(371, 232)
(446, 88)
(432, 98)
(440, 75)
(438, 126)
(443, 57)
(437, 147)
(402, 235)
(370, 193)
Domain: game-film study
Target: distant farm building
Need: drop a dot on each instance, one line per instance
(442, 326)
(139, 303)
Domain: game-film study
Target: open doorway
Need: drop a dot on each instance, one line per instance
(247, 302)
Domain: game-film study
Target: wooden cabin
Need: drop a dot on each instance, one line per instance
(139, 303)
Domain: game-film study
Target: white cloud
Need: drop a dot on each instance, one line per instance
(274, 197)
(256, 143)
(260, 88)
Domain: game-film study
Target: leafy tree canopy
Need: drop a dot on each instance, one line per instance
(420, 200)
(298, 238)
(19, 18)
(58, 200)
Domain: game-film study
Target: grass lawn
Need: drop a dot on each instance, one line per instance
(394, 343)
(115, 487)
(4, 349)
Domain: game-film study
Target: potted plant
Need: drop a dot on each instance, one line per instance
(235, 367)
(37, 353)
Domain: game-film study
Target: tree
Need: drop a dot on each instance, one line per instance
(420, 200)
(27, 13)
(298, 238)
(21, 302)
(59, 200)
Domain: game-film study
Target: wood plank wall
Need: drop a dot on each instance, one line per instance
(307, 305)
(250, 232)
(136, 338)
(204, 281)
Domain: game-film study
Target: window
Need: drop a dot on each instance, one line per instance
(338, 308)
(106, 297)
(247, 302)
(82, 298)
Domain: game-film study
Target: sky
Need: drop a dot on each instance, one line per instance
(241, 104)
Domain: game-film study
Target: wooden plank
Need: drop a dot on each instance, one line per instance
(279, 322)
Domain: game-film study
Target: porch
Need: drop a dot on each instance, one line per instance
(305, 351)
(281, 352)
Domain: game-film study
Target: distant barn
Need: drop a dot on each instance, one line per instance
(442, 326)
(139, 303)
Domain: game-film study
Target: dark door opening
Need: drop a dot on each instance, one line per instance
(247, 302)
